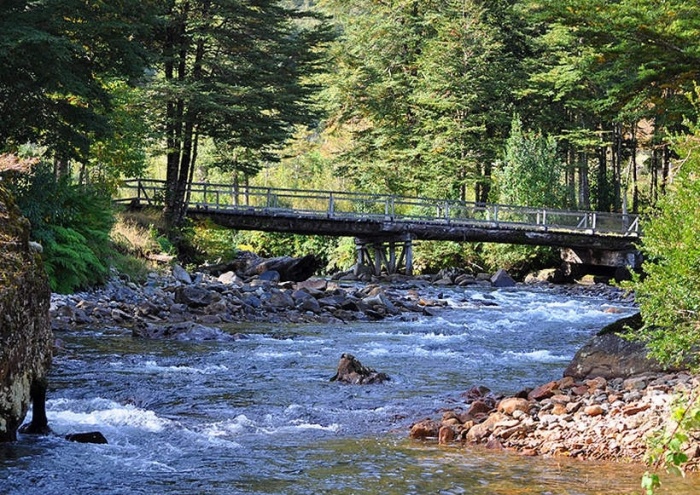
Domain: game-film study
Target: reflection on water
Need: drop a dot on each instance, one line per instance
(259, 415)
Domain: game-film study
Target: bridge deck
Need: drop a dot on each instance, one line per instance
(380, 217)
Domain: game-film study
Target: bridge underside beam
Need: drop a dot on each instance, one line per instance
(381, 254)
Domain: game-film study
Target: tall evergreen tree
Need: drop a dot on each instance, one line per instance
(235, 71)
(55, 58)
(424, 87)
(611, 65)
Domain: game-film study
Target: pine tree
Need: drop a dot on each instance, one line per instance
(236, 72)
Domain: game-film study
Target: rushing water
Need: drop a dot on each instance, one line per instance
(259, 415)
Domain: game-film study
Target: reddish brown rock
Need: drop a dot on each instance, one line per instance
(446, 435)
(426, 428)
(512, 404)
(633, 409)
(544, 391)
(479, 407)
(593, 410)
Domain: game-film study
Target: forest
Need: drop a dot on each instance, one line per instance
(576, 104)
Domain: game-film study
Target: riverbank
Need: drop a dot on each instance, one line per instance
(178, 303)
(593, 419)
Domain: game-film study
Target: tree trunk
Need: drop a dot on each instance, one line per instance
(633, 172)
(603, 197)
(584, 188)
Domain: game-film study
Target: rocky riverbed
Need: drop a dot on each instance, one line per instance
(591, 417)
(184, 305)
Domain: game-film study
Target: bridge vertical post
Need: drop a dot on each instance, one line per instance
(392, 257)
(378, 258)
(331, 205)
(408, 255)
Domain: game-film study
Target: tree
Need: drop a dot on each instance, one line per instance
(424, 88)
(462, 103)
(669, 293)
(56, 58)
(610, 66)
(235, 72)
(531, 172)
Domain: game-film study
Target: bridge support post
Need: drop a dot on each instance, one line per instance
(381, 254)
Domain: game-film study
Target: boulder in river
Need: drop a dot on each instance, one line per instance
(351, 370)
(610, 355)
(502, 279)
(89, 437)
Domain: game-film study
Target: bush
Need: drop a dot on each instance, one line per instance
(669, 293)
(73, 225)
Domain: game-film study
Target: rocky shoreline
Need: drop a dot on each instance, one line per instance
(183, 305)
(592, 419)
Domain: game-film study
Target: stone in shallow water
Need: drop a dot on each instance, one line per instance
(350, 370)
(89, 437)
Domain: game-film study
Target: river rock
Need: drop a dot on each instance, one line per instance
(26, 339)
(610, 355)
(181, 275)
(89, 437)
(425, 429)
(510, 405)
(195, 296)
(291, 269)
(502, 279)
(350, 370)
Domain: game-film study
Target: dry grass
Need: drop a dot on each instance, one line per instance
(133, 233)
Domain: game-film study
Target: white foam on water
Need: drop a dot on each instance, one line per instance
(241, 425)
(540, 356)
(206, 370)
(277, 354)
(66, 414)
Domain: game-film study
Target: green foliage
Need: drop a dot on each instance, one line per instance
(55, 58)
(214, 242)
(433, 256)
(73, 225)
(669, 293)
(423, 88)
(519, 260)
(532, 172)
(666, 448)
(238, 73)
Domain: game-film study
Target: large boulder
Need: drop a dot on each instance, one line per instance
(351, 370)
(610, 355)
(289, 269)
(502, 279)
(25, 329)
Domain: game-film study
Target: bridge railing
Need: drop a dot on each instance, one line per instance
(358, 206)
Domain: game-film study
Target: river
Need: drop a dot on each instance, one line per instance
(259, 415)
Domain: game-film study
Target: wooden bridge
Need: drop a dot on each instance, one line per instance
(382, 223)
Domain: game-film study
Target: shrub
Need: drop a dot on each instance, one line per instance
(71, 222)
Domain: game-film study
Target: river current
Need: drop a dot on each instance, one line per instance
(259, 415)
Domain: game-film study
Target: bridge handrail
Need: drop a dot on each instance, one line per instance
(356, 205)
